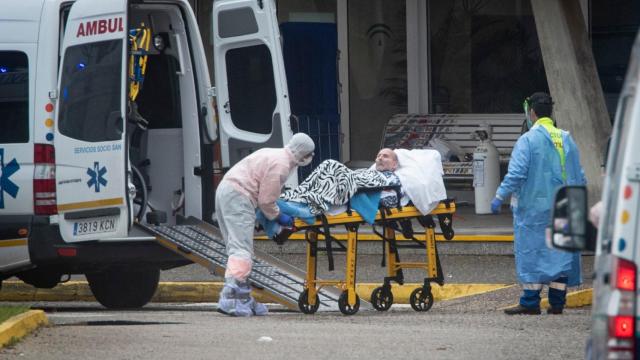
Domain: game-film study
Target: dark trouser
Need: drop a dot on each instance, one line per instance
(557, 294)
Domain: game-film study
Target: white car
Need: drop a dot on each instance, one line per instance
(616, 310)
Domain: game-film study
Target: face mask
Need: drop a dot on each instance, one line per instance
(306, 160)
(527, 113)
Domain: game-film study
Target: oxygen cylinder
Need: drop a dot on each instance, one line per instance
(486, 172)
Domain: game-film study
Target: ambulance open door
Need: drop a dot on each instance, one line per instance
(250, 81)
(90, 132)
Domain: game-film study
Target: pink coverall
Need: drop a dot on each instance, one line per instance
(254, 182)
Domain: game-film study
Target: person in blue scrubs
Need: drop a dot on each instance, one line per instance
(543, 159)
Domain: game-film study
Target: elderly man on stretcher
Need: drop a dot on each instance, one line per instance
(332, 185)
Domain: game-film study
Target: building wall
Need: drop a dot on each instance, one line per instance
(483, 56)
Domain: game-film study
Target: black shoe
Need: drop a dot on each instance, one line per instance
(554, 311)
(521, 310)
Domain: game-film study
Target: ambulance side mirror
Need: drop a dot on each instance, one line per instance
(568, 228)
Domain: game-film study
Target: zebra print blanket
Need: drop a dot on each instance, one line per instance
(332, 183)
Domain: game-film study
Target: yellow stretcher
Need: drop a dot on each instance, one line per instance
(381, 298)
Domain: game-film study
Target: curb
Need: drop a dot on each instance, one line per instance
(177, 292)
(575, 299)
(402, 293)
(19, 326)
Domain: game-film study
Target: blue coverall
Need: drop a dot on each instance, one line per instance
(535, 173)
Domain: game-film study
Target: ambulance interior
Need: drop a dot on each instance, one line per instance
(156, 117)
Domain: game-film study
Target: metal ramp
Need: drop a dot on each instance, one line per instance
(202, 243)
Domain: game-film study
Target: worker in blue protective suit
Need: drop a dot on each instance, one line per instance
(543, 159)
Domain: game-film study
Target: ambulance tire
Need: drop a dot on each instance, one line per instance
(41, 278)
(124, 288)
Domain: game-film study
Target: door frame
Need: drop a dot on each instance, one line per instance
(342, 18)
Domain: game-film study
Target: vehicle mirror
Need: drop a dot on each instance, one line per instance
(568, 229)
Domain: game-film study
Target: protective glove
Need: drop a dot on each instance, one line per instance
(284, 220)
(496, 204)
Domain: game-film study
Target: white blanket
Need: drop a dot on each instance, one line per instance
(420, 172)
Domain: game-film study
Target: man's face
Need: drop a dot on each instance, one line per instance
(386, 160)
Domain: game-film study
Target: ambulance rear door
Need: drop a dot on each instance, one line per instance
(90, 138)
(249, 78)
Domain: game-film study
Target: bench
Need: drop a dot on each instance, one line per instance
(414, 131)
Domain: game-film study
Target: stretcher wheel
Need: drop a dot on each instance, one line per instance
(343, 304)
(421, 300)
(446, 225)
(303, 303)
(381, 298)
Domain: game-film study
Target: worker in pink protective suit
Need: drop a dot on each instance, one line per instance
(254, 182)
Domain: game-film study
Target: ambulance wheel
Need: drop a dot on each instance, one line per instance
(303, 303)
(381, 298)
(124, 288)
(421, 300)
(142, 196)
(343, 304)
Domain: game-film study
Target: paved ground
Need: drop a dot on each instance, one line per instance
(498, 269)
(469, 328)
(465, 328)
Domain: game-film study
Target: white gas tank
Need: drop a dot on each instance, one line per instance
(486, 175)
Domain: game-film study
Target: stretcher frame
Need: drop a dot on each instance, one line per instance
(382, 298)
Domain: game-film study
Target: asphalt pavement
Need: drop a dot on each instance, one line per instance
(472, 327)
(469, 328)
(493, 269)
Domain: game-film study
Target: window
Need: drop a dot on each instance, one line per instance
(614, 25)
(615, 169)
(237, 22)
(252, 90)
(377, 71)
(485, 56)
(14, 97)
(91, 93)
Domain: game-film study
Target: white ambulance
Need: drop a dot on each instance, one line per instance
(616, 307)
(108, 119)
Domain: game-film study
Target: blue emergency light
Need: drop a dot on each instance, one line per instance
(3, 69)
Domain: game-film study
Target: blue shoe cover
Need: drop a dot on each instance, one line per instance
(235, 299)
(259, 309)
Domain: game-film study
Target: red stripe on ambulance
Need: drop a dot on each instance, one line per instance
(97, 27)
